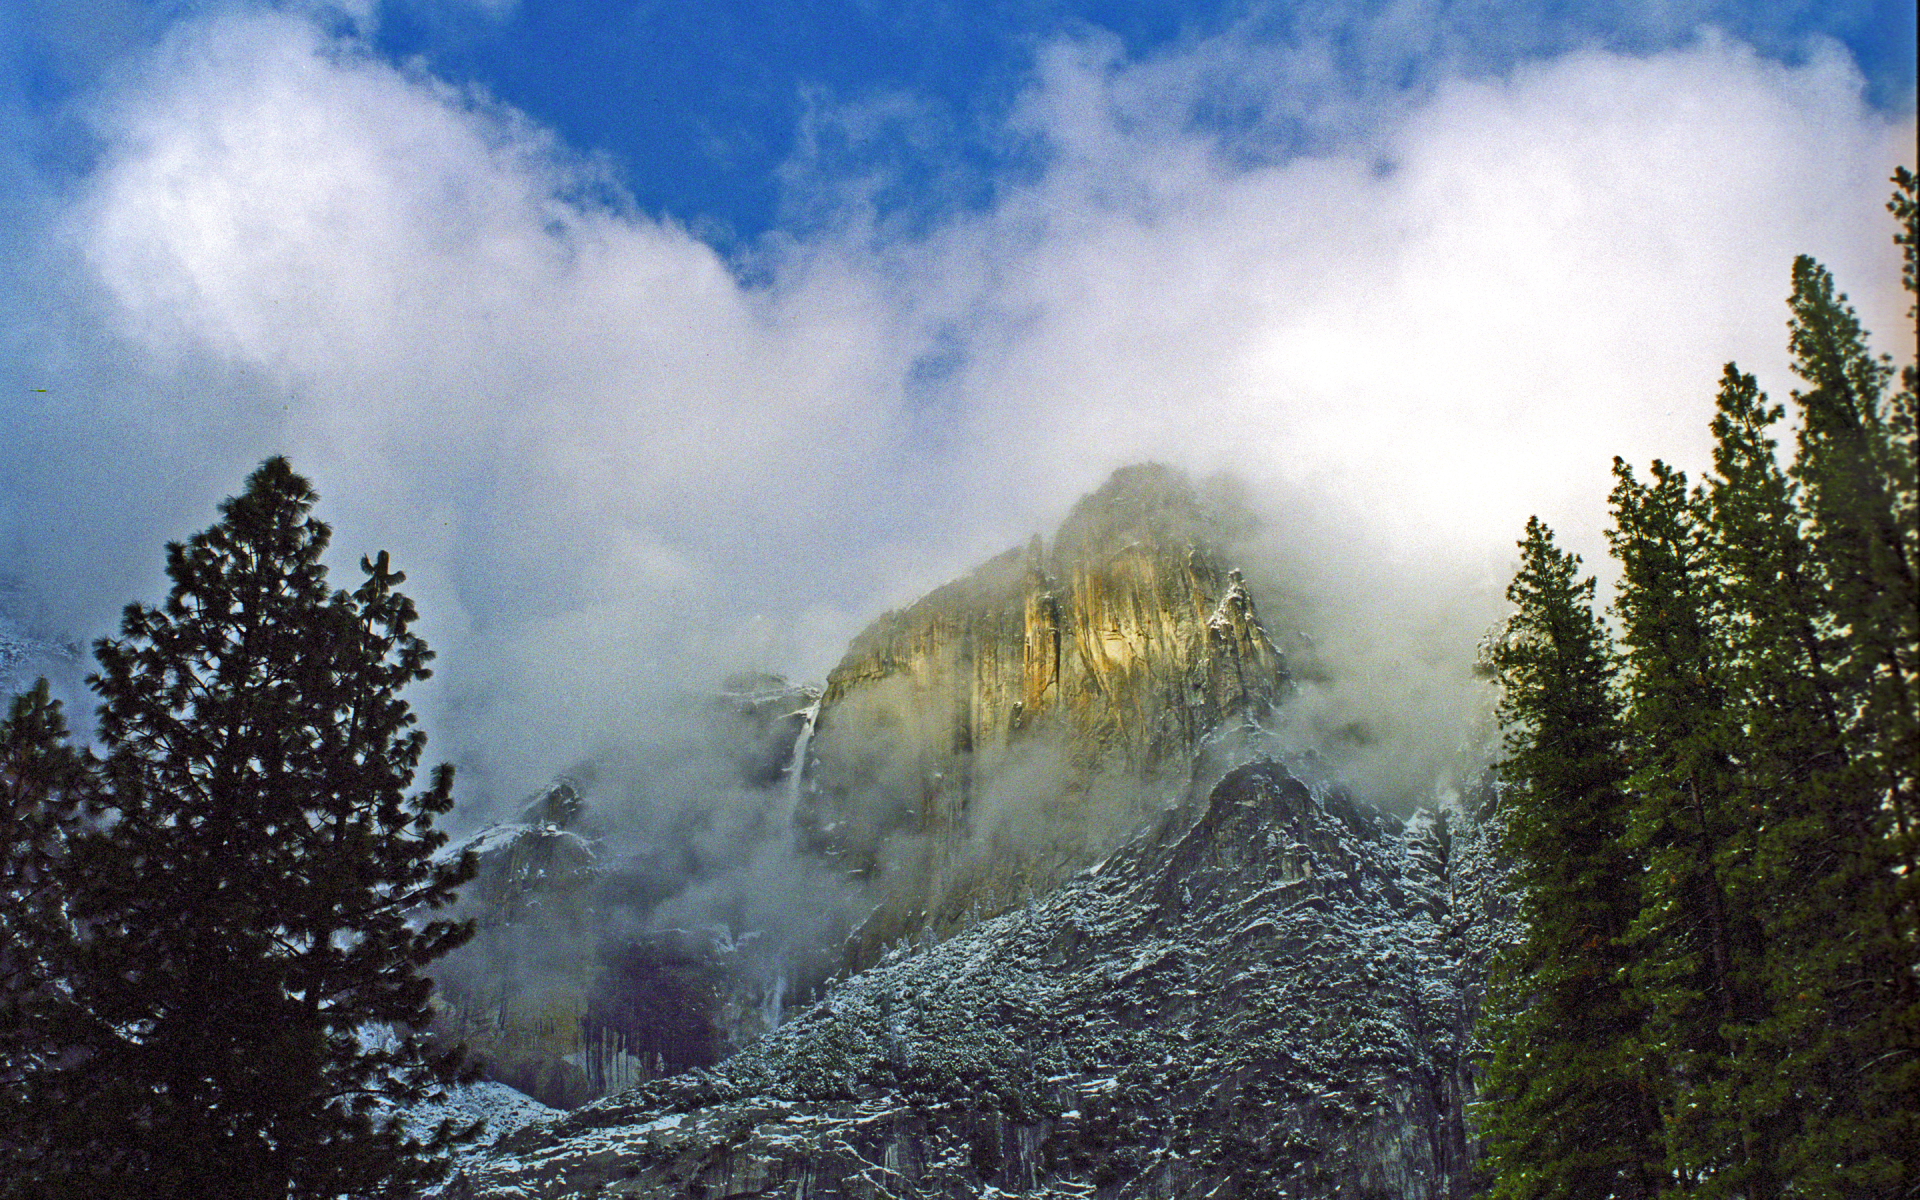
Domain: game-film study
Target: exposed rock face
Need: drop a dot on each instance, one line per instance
(968, 752)
(516, 993)
(1268, 996)
(756, 719)
(568, 990)
(669, 1001)
(1014, 725)
(547, 1004)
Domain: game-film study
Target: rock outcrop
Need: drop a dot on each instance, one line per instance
(1015, 725)
(754, 723)
(515, 995)
(570, 989)
(1269, 995)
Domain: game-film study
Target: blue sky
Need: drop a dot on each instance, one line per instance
(700, 108)
(660, 340)
(701, 105)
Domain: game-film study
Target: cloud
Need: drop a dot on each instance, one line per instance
(1462, 322)
(561, 416)
(616, 464)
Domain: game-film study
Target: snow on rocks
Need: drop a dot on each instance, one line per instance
(1258, 998)
(501, 1109)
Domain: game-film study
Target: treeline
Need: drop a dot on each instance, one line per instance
(1711, 803)
(212, 930)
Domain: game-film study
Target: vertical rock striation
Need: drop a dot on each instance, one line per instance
(1016, 724)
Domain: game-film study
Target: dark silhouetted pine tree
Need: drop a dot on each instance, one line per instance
(47, 789)
(251, 906)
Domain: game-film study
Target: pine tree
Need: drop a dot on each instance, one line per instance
(1819, 1086)
(1853, 462)
(1844, 1027)
(46, 788)
(1900, 735)
(1903, 406)
(43, 788)
(1569, 1102)
(1771, 818)
(250, 906)
(1697, 940)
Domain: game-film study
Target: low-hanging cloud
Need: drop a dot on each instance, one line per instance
(616, 464)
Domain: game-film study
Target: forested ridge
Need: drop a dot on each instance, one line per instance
(1710, 797)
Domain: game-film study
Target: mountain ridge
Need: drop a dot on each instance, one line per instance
(1271, 993)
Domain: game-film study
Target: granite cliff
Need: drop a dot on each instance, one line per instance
(969, 754)
(1014, 725)
(572, 988)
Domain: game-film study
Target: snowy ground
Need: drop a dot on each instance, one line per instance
(503, 1109)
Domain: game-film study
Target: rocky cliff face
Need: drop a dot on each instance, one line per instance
(516, 993)
(1268, 995)
(968, 752)
(1014, 725)
(551, 1002)
(571, 988)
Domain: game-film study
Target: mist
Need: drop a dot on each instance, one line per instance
(617, 464)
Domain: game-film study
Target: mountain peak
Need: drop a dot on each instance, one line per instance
(1013, 725)
(1146, 503)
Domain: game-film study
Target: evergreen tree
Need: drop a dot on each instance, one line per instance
(1853, 464)
(46, 795)
(1771, 640)
(1696, 940)
(1771, 817)
(1816, 569)
(1569, 1103)
(249, 905)
(1839, 844)
(1903, 406)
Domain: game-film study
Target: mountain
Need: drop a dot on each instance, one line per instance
(1014, 725)
(1072, 965)
(1268, 994)
(968, 752)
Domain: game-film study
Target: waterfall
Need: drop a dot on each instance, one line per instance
(775, 1002)
(796, 773)
(775, 999)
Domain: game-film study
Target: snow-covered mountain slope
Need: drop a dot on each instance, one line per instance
(1269, 996)
(502, 1109)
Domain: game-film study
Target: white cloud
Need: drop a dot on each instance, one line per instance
(1550, 270)
(611, 467)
